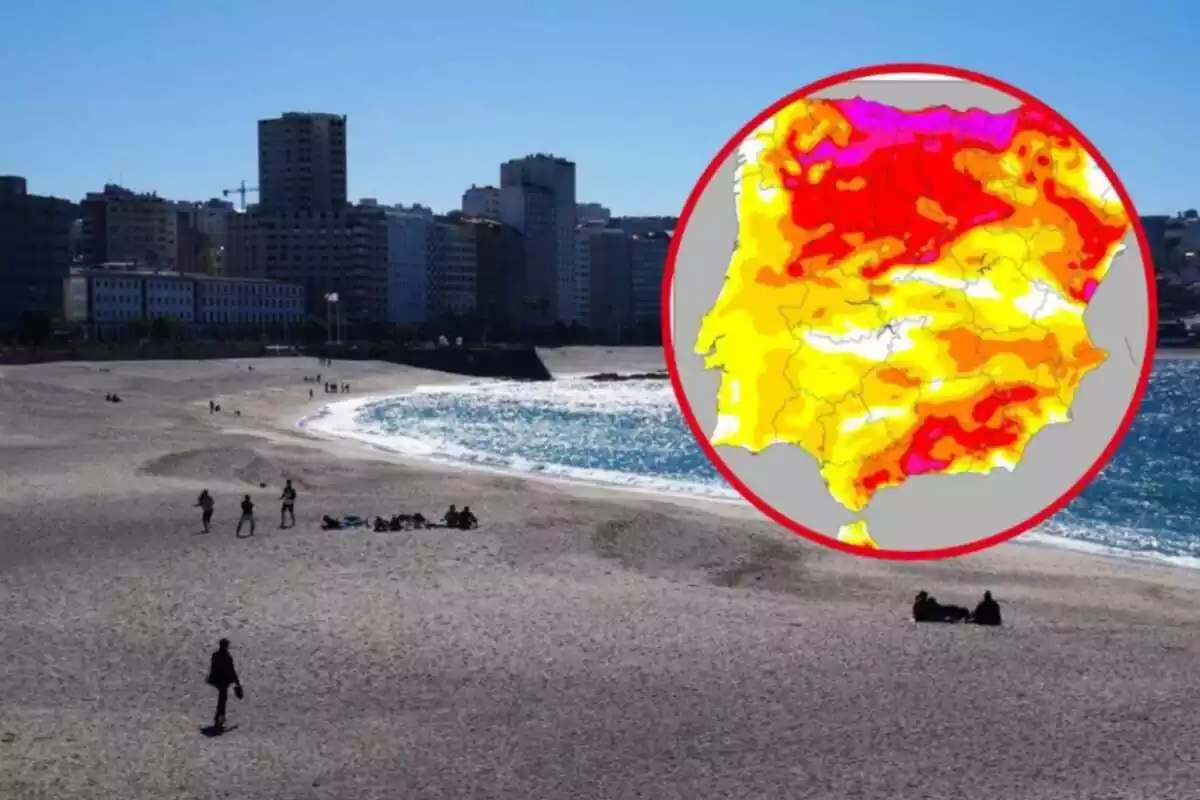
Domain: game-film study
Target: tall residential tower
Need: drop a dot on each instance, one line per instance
(537, 196)
(302, 162)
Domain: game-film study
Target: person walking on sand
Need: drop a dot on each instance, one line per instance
(288, 508)
(247, 515)
(222, 675)
(205, 504)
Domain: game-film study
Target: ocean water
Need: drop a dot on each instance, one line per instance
(1145, 503)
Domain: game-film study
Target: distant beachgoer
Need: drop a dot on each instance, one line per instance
(310, 394)
(212, 407)
(921, 609)
(466, 519)
(927, 609)
(450, 518)
(328, 523)
(987, 612)
(418, 520)
(205, 504)
(237, 412)
(380, 524)
(222, 675)
(217, 408)
(247, 515)
(318, 377)
(288, 509)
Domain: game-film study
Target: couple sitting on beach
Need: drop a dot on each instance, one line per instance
(462, 520)
(928, 609)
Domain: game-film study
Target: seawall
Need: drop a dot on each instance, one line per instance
(507, 362)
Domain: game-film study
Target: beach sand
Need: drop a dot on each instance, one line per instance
(583, 643)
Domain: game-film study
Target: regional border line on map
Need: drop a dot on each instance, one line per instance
(908, 288)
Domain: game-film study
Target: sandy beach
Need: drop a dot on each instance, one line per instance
(583, 643)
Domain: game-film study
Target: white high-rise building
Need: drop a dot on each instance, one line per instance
(408, 235)
(582, 311)
(549, 185)
(481, 202)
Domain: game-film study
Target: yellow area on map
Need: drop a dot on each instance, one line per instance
(855, 533)
(901, 304)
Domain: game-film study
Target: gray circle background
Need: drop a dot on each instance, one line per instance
(931, 511)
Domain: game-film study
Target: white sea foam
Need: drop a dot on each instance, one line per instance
(352, 419)
(344, 419)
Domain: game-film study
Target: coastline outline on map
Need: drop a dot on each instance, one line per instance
(908, 288)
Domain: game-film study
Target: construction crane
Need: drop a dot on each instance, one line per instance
(240, 191)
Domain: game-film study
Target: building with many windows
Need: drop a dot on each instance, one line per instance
(303, 232)
(499, 255)
(611, 306)
(481, 202)
(648, 261)
(626, 274)
(35, 251)
(247, 302)
(302, 162)
(122, 225)
(547, 181)
(453, 267)
(108, 298)
(338, 252)
(408, 239)
(584, 232)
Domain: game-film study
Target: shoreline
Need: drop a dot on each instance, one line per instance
(582, 640)
(372, 444)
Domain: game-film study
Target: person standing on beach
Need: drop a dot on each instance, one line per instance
(247, 515)
(288, 509)
(205, 504)
(222, 675)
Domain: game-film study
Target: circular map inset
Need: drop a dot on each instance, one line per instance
(908, 313)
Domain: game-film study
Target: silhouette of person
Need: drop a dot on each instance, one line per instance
(450, 519)
(247, 515)
(288, 509)
(222, 675)
(922, 608)
(205, 504)
(987, 612)
(467, 519)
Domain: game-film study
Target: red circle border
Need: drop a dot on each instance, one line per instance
(702, 438)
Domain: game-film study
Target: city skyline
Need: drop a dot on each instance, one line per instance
(157, 97)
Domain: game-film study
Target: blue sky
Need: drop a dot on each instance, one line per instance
(163, 94)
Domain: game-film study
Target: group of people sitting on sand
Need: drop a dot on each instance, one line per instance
(927, 609)
(464, 520)
(112, 397)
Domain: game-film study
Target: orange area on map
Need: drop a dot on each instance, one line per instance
(908, 291)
